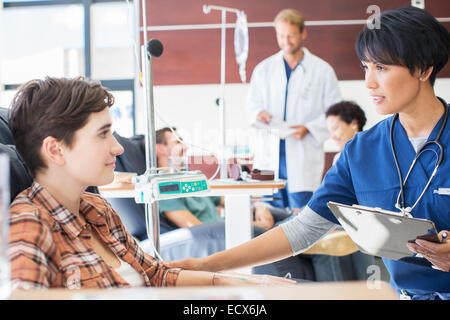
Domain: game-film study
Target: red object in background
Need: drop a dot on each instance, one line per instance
(209, 164)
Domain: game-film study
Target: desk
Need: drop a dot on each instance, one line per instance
(238, 217)
(355, 290)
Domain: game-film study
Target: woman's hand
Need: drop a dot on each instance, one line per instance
(437, 253)
(239, 279)
(187, 264)
(263, 217)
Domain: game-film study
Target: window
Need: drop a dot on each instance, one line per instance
(122, 113)
(112, 41)
(68, 38)
(58, 52)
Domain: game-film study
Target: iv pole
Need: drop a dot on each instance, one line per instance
(151, 210)
(221, 101)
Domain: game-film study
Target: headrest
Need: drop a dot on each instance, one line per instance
(5, 133)
(133, 157)
(19, 178)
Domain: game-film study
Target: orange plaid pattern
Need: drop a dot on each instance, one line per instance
(50, 247)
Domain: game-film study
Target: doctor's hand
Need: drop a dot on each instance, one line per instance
(264, 117)
(188, 264)
(238, 279)
(437, 253)
(301, 131)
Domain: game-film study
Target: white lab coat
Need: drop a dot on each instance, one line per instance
(313, 87)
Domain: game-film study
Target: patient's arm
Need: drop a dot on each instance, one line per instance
(182, 218)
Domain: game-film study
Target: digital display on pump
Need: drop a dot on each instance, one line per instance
(169, 188)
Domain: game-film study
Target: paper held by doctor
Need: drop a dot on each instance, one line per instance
(276, 127)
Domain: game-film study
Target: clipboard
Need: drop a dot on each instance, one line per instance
(384, 233)
(276, 127)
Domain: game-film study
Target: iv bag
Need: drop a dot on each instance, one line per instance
(241, 43)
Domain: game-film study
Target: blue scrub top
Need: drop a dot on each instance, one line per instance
(366, 174)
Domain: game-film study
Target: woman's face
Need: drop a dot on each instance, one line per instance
(91, 159)
(392, 88)
(341, 131)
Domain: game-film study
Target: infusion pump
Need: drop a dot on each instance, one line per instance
(161, 186)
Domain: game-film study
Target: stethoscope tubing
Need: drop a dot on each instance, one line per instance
(438, 162)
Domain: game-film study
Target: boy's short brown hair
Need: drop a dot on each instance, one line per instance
(291, 16)
(54, 107)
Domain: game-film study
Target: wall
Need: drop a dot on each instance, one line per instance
(192, 39)
(187, 75)
(192, 109)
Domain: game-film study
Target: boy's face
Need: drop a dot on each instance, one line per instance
(91, 159)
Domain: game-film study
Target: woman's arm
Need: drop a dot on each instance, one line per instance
(30, 249)
(278, 243)
(268, 247)
(204, 278)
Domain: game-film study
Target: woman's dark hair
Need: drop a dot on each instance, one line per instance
(348, 111)
(54, 107)
(409, 37)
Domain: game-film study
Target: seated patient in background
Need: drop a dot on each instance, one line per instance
(60, 235)
(192, 211)
(344, 120)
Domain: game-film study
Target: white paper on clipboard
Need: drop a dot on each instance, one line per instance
(276, 127)
(384, 233)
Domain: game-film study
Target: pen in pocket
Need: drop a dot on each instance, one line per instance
(443, 191)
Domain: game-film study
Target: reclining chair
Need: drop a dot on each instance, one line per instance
(20, 178)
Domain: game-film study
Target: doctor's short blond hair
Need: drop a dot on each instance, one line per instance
(291, 16)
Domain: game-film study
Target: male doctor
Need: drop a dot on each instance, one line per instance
(295, 86)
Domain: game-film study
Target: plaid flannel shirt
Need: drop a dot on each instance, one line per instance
(50, 247)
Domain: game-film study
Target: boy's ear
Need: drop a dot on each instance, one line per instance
(51, 151)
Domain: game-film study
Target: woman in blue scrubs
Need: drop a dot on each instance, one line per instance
(401, 60)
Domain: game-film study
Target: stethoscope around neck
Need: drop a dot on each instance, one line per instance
(407, 210)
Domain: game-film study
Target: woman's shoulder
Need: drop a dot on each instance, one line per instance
(374, 134)
(22, 207)
(24, 211)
